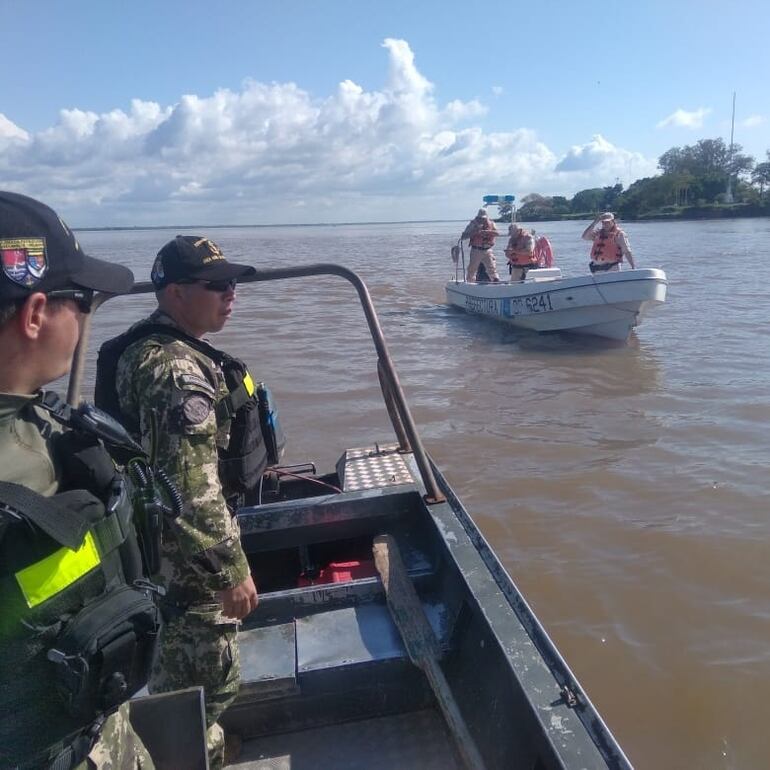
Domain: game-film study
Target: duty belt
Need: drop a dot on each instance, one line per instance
(599, 267)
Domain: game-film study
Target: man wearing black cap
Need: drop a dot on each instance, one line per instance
(190, 404)
(56, 565)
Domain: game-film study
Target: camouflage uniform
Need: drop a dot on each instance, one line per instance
(118, 747)
(38, 718)
(165, 381)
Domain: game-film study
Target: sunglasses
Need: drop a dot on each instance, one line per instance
(81, 297)
(219, 286)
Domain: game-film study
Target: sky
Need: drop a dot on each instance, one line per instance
(155, 113)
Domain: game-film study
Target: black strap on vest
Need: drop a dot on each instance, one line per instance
(57, 521)
(63, 518)
(106, 395)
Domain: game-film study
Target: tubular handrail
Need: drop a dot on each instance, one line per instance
(393, 394)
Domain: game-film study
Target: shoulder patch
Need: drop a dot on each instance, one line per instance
(190, 380)
(196, 409)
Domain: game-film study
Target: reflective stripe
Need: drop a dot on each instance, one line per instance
(248, 383)
(50, 576)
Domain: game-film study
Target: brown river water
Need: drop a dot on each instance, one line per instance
(624, 487)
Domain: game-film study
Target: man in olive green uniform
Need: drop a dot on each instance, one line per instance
(46, 284)
(170, 390)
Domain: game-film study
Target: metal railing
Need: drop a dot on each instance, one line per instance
(393, 395)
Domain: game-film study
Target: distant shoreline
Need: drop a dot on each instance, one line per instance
(673, 214)
(276, 224)
(691, 213)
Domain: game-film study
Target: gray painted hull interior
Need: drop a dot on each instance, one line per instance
(327, 682)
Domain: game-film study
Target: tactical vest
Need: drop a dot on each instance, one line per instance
(256, 439)
(78, 620)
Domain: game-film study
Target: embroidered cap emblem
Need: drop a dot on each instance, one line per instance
(24, 260)
(213, 251)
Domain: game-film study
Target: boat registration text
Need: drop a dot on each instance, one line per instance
(539, 303)
(509, 306)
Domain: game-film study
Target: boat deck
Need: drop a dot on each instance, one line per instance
(415, 740)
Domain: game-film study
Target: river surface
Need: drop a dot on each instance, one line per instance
(624, 487)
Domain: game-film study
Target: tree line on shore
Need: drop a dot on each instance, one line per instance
(705, 180)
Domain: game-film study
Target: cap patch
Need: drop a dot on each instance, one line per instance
(24, 260)
(214, 252)
(157, 274)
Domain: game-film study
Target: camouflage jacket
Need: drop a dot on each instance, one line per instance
(166, 381)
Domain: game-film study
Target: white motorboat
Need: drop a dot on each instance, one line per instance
(604, 304)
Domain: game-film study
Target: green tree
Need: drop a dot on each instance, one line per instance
(504, 212)
(708, 156)
(648, 194)
(591, 200)
(761, 176)
(535, 206)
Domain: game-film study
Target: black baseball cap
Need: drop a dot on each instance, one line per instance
(38, 252)
(194, 258)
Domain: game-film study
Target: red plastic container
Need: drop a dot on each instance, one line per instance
(340, 572)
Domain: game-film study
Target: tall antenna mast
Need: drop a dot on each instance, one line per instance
(729, 191)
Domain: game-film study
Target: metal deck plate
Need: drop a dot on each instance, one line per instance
(415, 741)
(373, 467)
(268, 662)
(356, 635)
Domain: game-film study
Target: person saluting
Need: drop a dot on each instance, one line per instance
(610, 244)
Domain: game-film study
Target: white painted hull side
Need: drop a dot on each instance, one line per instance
(607, 305)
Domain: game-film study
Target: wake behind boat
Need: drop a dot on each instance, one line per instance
(604, 304)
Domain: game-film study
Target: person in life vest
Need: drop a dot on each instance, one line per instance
(520, 251)
(67, 541)
(481, 232)
(175, 392)
(610, 244)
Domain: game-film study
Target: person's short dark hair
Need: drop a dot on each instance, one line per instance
(38, 252)
(8, 309)
(191, 258)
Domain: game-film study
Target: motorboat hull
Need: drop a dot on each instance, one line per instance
(324, 670)
(605, 305)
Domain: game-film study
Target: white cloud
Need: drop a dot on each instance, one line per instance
(685, 119)
(456, 110)
(753, 121)
(10, 132)
(275, 153)
(599, 162)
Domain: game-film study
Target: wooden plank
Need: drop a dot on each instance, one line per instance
(420, 641)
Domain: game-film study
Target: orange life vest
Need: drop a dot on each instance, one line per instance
(516, 253)
(606, 247)
(483, 237)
